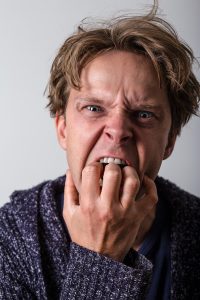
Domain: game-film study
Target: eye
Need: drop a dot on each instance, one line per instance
(94, 108)
(144, 115)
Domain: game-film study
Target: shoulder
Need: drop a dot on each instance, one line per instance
(23, 200)
(174, 194)
(185, 207)
(20, 224)
(20, 214)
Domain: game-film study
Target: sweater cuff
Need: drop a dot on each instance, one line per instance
(91, 275)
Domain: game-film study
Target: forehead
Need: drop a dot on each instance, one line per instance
(121, 73)
(120, 67)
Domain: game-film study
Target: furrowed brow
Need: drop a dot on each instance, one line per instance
(89, 100)
(148, 107)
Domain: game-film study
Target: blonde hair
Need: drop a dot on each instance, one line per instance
(147, 35)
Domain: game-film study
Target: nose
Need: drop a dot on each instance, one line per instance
(118, 128)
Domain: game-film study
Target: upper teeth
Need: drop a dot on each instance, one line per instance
(108, 160)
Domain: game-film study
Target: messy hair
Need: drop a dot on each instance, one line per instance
(148, 35)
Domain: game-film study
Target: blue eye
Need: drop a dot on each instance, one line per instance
(145, 114)
(94, 108)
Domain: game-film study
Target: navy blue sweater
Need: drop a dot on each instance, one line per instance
(38, 260)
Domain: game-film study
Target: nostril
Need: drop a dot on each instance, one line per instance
(110, 136)
(118, 137)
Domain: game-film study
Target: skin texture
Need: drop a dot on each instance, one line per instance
(120, 111)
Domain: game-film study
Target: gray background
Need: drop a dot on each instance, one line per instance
(31, 31)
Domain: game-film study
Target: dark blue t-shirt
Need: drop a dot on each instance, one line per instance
(156, 247)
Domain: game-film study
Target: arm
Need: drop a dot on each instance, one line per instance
(91, 275)
(11, 285)
(20, 270)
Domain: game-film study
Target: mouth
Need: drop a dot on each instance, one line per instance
(106, 160)
(115, 160)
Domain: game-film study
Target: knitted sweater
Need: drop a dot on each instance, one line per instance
(39, 261)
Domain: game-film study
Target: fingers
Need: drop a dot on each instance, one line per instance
(111, 183)
(70, 194)
(130, 187)
(150, 198)
(113, 179)
(90, 187)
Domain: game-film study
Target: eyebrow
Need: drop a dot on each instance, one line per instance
(89, 99)
(148, 106)
(135, 106)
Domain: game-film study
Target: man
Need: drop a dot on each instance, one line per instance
(111, 229)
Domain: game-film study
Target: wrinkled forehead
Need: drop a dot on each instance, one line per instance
(122, 72)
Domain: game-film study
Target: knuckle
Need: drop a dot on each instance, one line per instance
(133, 183)
(153, 200)
(87, 209)
(153, 196)
(150, 203)
(113, 172)
(89, 169)
(106, 216)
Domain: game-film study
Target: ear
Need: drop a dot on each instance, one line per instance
(170, 145)
(61, 130)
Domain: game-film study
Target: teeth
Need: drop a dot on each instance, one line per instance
(108, 160)
(111, 160)
(117, 161)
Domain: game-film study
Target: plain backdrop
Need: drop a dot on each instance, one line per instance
(30, 34)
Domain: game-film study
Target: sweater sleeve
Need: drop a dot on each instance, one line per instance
(20, 274)
(11, 288)
(93, 276)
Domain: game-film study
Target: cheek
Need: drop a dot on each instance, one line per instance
(151, 152)
(80, 143)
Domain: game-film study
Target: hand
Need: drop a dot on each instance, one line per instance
(107, 219)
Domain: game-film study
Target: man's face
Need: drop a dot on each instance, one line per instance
(121, 112)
